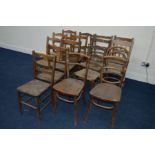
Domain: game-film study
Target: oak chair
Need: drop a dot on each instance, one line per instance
(107, 94)
(36, 93)
(72, 86)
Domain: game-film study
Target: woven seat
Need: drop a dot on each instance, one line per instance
(92, 75)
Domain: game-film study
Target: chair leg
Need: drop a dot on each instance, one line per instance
(54, 98)
(19, 102)
(88, 109)
(75, 111)
(38, 107)
(114, 116)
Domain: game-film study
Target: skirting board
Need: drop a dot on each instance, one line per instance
(132, 72)
(16, 48)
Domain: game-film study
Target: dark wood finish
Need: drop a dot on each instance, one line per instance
(72, 86)
(108, 91)
(37, 89)
(44, 69)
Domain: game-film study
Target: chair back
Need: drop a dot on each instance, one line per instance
(81, 61)
(100, 44)
(48, 69)
(114, 69)
(69, 35)
(127, 43)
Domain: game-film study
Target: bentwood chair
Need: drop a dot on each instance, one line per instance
(71, 89)
(107, 94)
(36, 93)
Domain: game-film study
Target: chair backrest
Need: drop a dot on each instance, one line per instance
(85, 39)
(48, 69)
(74, 46)
(118, 51)
(114, 69)
(80, 61)
(100, 44)
(69, 35)
(123, 42)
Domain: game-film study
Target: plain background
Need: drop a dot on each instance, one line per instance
(80, 13)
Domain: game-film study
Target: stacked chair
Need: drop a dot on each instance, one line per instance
(72, 59)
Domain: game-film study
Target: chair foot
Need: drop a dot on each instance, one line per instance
(75, 112)
(88, 109)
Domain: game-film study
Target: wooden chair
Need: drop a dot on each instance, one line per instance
(72, 87)
(107, 94)
(40, 62)
(37, 91)
(127, 43)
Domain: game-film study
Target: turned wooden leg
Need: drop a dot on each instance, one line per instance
(37, 99)
(92, 83)
(114, 116)
(75, 111)
(54, 97)
(88, 109)
(19, 102)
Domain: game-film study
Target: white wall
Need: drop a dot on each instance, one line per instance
(25, 39)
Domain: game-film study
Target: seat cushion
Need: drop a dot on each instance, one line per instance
(92, 75)
(47, 77)
(106, 92)
(34, 87)
(69, 86)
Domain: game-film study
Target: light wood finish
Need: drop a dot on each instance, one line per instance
(100, 44)
(74, 46)
(109, 90)
(69, 35)
(37, 89)
(72, 86)
(127, 43)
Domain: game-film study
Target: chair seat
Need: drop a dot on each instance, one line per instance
(69, 86)
(106, 92)
(92, 75)
(93, 67)
(47, 77)
(34, 88)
